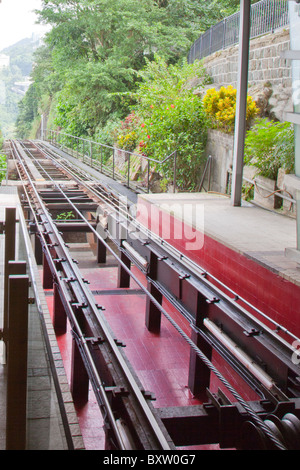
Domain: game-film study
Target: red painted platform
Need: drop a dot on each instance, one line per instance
(243, 247)
(161, 361)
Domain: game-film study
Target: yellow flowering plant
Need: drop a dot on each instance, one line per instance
(127, 141)
(220, 106)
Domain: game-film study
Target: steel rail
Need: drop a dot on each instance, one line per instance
(260, 423)
(226, 298)
(187, 262)
(163, 443)
(71, 317)
(39, 309)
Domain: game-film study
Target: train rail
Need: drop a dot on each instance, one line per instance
(221, 321)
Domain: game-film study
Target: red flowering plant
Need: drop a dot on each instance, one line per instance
(172, 118)
(128, 135)
(168, 117)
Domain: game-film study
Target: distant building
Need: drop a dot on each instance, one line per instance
(4, 61)
(21, 87)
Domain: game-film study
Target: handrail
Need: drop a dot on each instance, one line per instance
(127, 153)
(266, 16)
(207, 167)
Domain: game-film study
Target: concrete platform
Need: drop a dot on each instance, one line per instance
(244, 247)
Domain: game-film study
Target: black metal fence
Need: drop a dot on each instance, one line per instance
(266, 17)
(105, 157)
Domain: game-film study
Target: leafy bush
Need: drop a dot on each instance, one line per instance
(180, 126)
(168, 117)
(220, 106)
(269, 146)
(2, 166)
(128, 136)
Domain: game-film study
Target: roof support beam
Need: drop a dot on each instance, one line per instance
(241, 103)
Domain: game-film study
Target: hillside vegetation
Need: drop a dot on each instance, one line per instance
(103, 58)
(20, 68)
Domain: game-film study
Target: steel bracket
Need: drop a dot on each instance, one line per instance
(252, 332)
(117, 391)
(99, 307)
(78, 305)
(95, 341)
(148, 395)
(120, 343)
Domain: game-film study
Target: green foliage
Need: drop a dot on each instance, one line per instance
(21, 56)
(269, 146)
(168, 117)
(1, 139)
(8, 99)
(220, 106)
(95, 48)
(2, 166)
(28, 110)
(65, 216)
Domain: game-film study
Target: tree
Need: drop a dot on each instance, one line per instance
(96, 47)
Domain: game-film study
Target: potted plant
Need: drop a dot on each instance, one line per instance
(269, 146)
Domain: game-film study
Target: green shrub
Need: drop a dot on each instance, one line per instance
(182, 126)
(220, 106)
(269, 146)
(168, 117)
(2, 166)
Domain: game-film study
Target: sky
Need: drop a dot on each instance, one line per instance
(17, 21)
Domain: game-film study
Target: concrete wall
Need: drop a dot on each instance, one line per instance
(220, 147)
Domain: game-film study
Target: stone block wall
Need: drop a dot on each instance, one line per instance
(265, 63)
(270, 85)
(269, 77)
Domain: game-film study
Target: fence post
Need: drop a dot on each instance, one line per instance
(128, 171)
(10, 248)
(113, 174)
(17, 363)
(273, 16)
(148, 177)
(174, 173)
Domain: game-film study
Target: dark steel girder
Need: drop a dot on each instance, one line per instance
(205, 305)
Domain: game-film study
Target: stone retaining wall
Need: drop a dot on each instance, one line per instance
(270, 85)
(220, 147)
(269, 77)
(265, 63)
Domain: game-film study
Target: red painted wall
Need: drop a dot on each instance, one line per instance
(275, 296)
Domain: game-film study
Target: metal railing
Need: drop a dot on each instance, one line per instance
(22, 318)
(266, 17)
(111, 161)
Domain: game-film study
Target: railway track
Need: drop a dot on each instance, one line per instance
(220, 320)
